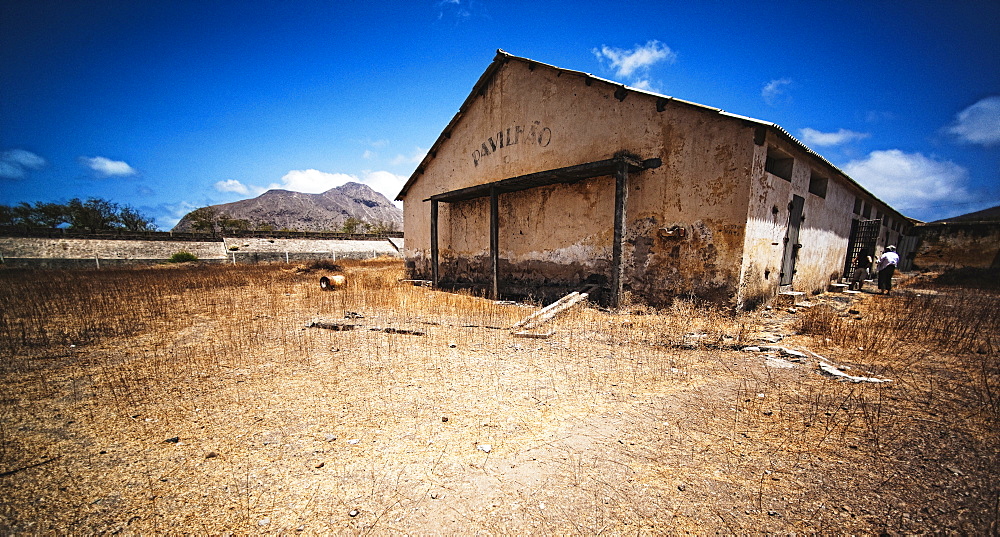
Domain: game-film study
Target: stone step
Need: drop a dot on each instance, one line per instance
(838, 287)
(789, 298)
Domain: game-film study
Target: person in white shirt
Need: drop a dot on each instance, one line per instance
(886, 268)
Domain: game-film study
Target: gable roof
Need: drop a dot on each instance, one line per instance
(502, 57)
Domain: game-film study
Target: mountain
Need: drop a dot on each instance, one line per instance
(283, 209)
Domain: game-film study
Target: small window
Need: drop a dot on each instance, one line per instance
(817, 185)
(857, 205)
(866, 211)
(779, 164)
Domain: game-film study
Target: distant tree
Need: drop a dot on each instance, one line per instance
(379, 228)
(351, 225)
(95, 214)
(50, 214)
(233, 224)
(203, 219)
(131, 220)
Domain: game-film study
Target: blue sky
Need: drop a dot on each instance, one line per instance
(172, 105)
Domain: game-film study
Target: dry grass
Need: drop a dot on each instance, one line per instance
(647, 421)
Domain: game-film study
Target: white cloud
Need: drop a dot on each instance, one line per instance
(636, 61)
(386, 183)
(457, 9)
(232, 185)
(106, 167)
(415, 157)
(979, 123)
(643, 84)
(168, 214)
(910, 180)
(16, 163)
(369, 154)
(316, 182)
(774, 91)
(310, 181)
(818, 138)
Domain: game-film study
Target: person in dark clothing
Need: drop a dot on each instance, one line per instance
(862, 266)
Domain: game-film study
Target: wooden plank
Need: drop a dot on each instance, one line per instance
(494, 243)
(434, 242)
(618, 243)
(535, 335)
(547, 313)
(332, 325)
(544, 310)
(568, 174)
(546, 317)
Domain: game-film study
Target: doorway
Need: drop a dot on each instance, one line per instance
(864, 236)
(792, 245)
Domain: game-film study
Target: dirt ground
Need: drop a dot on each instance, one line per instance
(199, 400)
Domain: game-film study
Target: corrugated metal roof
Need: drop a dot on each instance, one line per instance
(503, 57)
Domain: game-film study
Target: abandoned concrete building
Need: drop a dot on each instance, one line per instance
(548, 179)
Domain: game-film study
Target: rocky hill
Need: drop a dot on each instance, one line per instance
(283, 209)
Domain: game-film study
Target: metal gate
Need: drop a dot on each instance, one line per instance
(864, 236)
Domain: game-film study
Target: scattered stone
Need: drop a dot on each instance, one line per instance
(211, 455)
(264, 521)
(796, 355)
(836, 372)
(435, 495)
(172, 440)
(682, 487)
(485, 448)
(353, 441)
(320, 465)
(353, 513)
(751, 349)
(792, 310)
(444, 419)
(330, 437)
(778, 362)
(773, 513)
(452, 345)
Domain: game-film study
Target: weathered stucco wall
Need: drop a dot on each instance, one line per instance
(958, 245)
(530, 120)
(824, 227)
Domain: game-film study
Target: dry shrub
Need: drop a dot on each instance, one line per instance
(610, 423)
(960, 321)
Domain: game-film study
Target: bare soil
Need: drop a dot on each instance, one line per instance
(198, 400)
